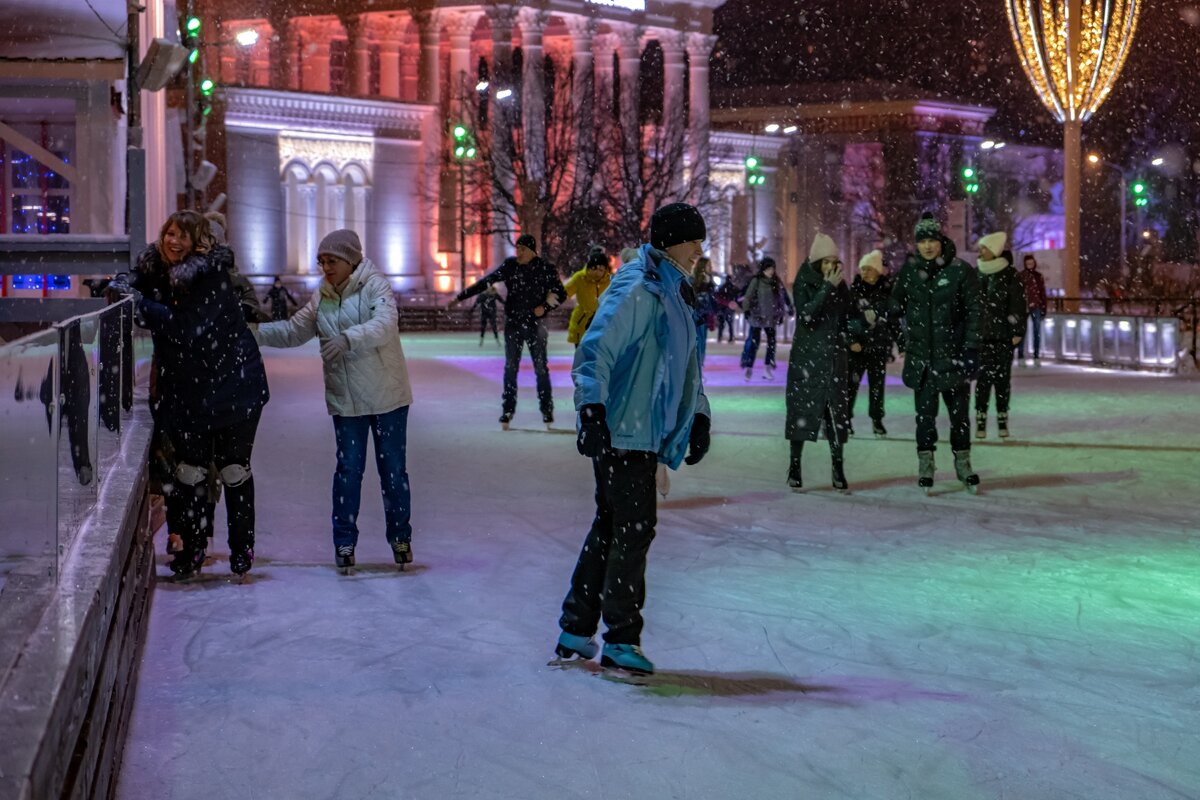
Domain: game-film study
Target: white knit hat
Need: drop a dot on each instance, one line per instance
(874, 260)
(994, 242)
(822, 248)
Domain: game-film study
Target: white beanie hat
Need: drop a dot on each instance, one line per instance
(822, 247)
(874, 260)
(994, 242)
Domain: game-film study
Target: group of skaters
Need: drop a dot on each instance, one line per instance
(639, 394)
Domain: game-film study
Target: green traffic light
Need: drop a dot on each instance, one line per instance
(1138, 188)
(470, 152)
(193, 25)
(460, 132)
(751, 162)
(207, 86)
(968, 172)
(192, 56)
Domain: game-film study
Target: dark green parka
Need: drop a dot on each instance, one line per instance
(939, 304)
(817, 371)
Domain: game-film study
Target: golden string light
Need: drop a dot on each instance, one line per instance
(1043, 31)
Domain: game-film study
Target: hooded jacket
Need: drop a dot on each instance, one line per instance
(372, 378)
(586, 290)
(638, 359)
(939, 303)
(210, 372)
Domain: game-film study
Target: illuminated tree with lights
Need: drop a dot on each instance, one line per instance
(1073, 51)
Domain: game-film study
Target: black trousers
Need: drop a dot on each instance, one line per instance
(874, 364)
(996, 359)
(753, 339)
(517, 334)
(610, 576)
(222, 447)
(484, 318)
(958, 406)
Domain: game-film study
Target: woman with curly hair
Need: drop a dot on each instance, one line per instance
(211, 383)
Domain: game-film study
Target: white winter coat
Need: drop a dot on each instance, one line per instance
(372, 378)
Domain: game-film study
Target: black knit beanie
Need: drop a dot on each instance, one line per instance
(675, 224)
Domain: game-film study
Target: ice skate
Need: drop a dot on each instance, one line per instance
(344, 558)
(1002, 424)
(850, 429)
(187, 564)
(1037, 362)
(793, 476)
(402, 553)
(628, 657)
(980, 424)
(241, 560)
(505, 419)
(768, 373)
(962, 468)
(548, 418)
(574, 648)
(926, 470)
(878, 429)
(839, 477)
(749, 373)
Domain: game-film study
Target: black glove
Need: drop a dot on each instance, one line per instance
(699, 440)
(971, 363)
(593, 438)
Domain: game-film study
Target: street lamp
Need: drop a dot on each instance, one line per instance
(1158, 162)
(247, 38)
(790, 129)
(772, 128)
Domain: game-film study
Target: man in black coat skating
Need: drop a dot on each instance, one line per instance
(936, 296)
(534, 289)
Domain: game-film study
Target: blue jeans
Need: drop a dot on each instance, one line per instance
(391, 443)
(1035, 316)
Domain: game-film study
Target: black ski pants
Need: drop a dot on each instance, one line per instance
(874, 364)
(223, 447)
(610, 576)
(484, 319)
(996, 359)
(518, 334)
(958, 406)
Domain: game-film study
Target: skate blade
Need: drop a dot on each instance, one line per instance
(503, 426)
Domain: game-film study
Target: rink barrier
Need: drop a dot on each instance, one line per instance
(79, 558)
(1147, 344)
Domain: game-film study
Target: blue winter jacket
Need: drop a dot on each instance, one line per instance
(638, 360)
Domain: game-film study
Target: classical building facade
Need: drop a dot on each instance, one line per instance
(340, 116)
(861, 163)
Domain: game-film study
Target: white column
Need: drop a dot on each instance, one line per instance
(604, 45)
(429, 78)
(699, 47)
(533, 96)
(672, 117)
(389, 66)
(460, 27)
(629, 48)
(316, 61)
(500, 122)
(583, 91)
(358, 31)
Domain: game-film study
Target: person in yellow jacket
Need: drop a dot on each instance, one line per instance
(586, 286)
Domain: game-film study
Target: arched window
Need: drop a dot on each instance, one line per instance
(650, 100)
(330, 210)
(484, 76)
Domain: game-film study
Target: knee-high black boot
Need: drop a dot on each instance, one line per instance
(793, 477)
(839, 475)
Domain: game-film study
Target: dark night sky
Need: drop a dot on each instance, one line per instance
(965, 50)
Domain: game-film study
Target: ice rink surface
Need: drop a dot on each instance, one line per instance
(1037, 641)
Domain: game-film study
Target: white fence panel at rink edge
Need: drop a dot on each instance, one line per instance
(1148, 344)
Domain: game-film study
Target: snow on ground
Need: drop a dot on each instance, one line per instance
(1036, 641)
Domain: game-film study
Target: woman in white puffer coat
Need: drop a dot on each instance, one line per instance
(353, 314)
